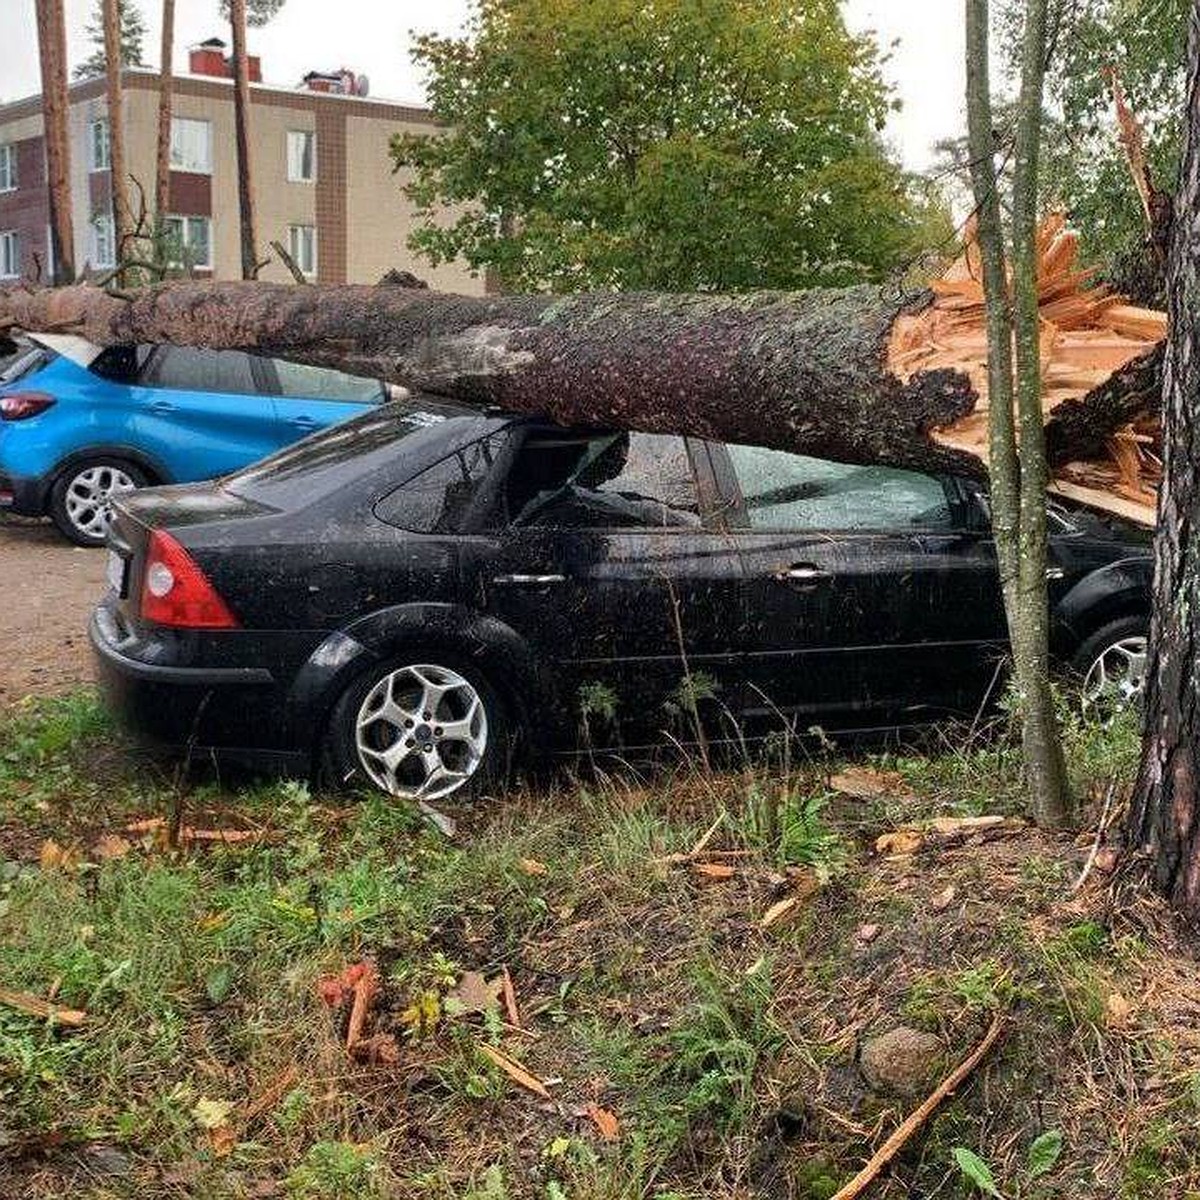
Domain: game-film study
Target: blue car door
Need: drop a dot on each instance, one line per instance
(203, 413)
(312, 398)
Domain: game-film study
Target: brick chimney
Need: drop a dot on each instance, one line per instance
(208, 58)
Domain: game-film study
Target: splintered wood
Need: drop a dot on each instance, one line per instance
(1087, 334)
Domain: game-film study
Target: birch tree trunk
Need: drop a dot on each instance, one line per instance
(166, 83)
(114, 89)
(241, 116)
(52, 50)
(1018, 467)
(1164, 817)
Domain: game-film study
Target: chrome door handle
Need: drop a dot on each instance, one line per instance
(528, 580)
(802, 572)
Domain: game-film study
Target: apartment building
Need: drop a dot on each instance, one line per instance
(323, 180)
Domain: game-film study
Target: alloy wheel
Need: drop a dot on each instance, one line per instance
(88, 498)
(1117, 677)
(421, 732)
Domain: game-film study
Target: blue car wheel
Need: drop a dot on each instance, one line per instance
(81, 496)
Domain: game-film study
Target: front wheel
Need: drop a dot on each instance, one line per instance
(1112, 665)
(420, 730)
(81, 499)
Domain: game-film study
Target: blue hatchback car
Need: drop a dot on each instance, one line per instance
(79, 424)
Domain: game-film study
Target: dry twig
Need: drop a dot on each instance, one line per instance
(905, 1130)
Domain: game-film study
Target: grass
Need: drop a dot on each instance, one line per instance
(726, 1052)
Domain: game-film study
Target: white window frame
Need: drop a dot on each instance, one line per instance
(12, 268)
(97, 161)
(295, 236)
(295, 157)
(194, 165)
(104, 244)
(185, 241)
(8, 175)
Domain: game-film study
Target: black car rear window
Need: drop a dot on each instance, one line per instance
(317, 464)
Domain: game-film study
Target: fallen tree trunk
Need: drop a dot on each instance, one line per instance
(865, 375)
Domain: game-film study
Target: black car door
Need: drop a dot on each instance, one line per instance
(867, 602)
(607, 561)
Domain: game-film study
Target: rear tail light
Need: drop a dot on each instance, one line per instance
(176, 592)
(16, 406)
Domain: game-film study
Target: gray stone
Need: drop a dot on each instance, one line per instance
(904, 1062)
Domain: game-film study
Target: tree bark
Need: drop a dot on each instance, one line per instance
(241, 116)
(1029, 613)
(803, 371)
(114, 89)
(1164, 816)
(166, 82)
(52, 50)
(1018, 467)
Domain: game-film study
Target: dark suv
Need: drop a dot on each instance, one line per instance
(412, 597)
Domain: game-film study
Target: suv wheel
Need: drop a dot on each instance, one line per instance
(1112, 665)
(80, 498)
(421, 731)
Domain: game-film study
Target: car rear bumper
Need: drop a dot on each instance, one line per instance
(231, 713)
(23, 494)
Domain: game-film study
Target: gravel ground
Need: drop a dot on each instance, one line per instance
(47, 591)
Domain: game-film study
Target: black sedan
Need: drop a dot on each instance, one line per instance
(425, 594)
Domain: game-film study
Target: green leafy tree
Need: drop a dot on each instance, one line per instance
(666, 144)
(133, 31)
(1085, 170)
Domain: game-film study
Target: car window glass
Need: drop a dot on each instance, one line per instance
(299, 379)
(190, 370)
(437, 500)
(792, 492)
(615, 480)
(121, 364)
(23, 363)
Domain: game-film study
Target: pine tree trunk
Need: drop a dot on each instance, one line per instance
(122, 217)
(52, 49)
(241, 116)
(1164, 816)
(809, 372)
(166, 81)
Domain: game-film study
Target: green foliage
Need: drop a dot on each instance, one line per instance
(1044, 1153)
(975, 1170)
(132, 33)
(1084, 166)
(258, 12)
(672, 145)
(335, 1171)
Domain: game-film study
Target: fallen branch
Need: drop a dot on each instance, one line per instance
(35, 1006)
(903, 1132)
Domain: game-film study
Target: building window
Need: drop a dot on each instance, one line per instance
(8, 168)
(191, 145)
(301, 156)
(190, 241)
(302, 246)
(10, 263)
(98, 149)
(104, 242)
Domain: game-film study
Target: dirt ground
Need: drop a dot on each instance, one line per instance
(47, 590)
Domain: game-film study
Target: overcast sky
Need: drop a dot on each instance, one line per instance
(373, 36)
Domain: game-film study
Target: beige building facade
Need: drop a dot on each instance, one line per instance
(322, 179)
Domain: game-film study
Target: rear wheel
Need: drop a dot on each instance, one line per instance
(421, 730)
(80, 501)
(1112, 667)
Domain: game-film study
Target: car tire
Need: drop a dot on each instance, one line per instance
(1110, 665)
(383, 713)
(79, 497)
